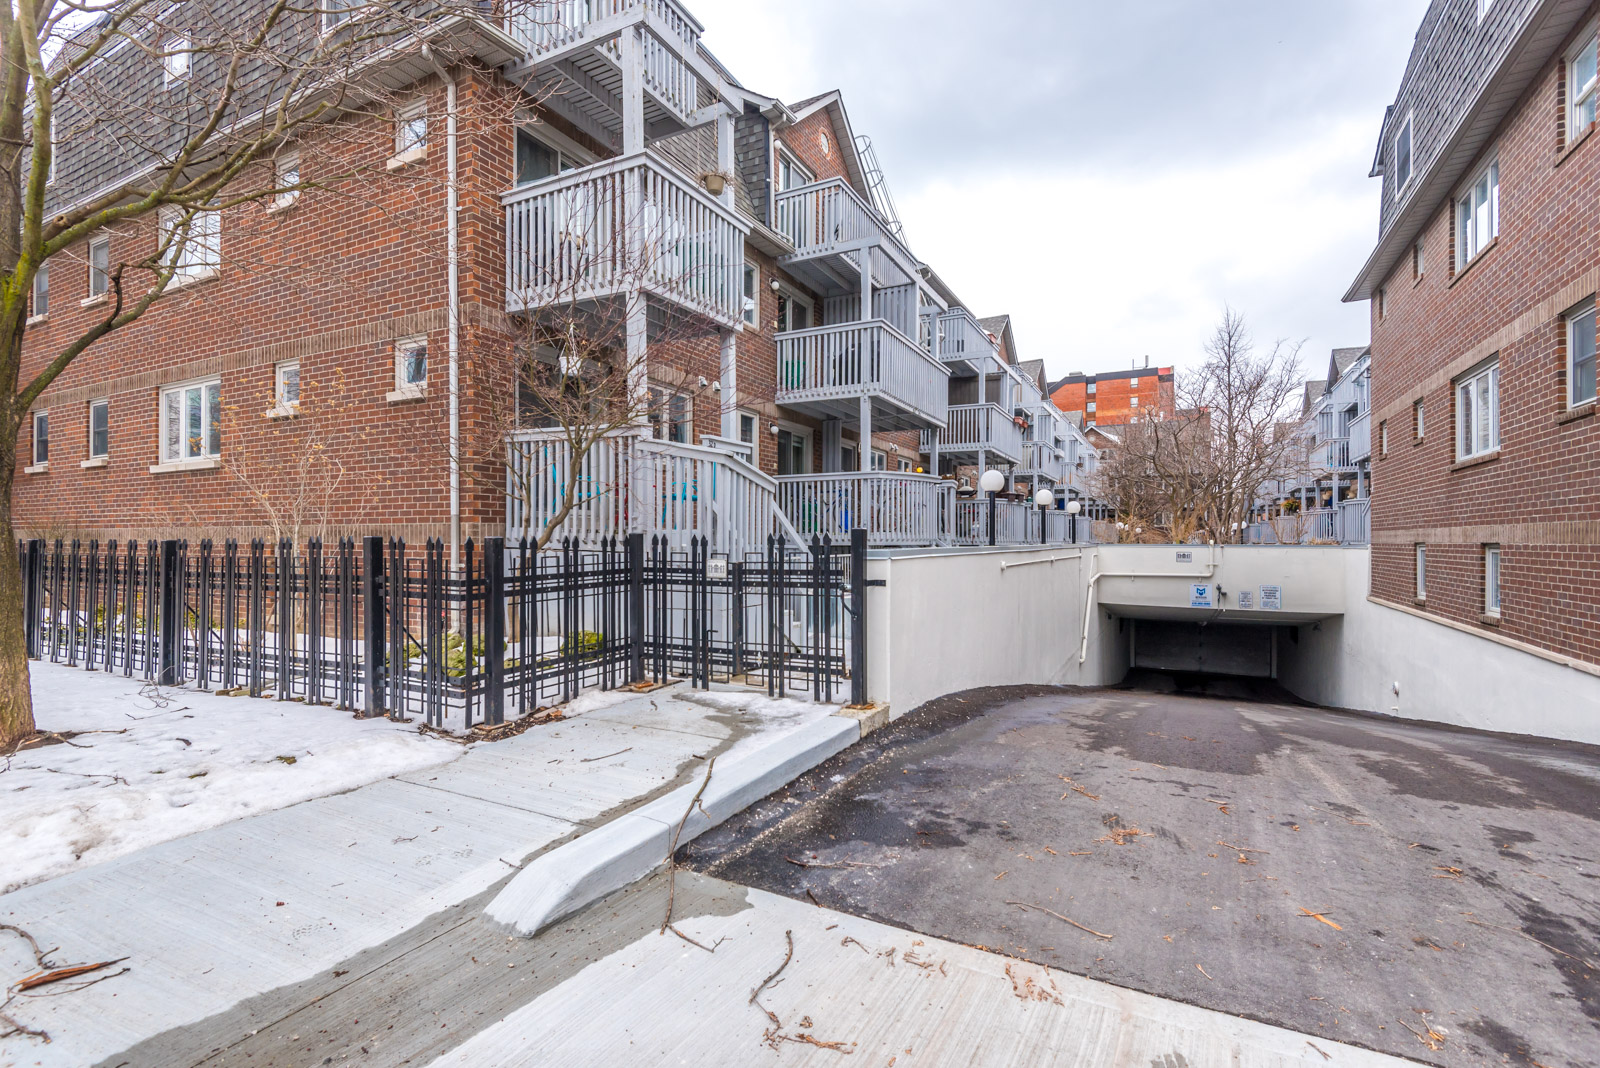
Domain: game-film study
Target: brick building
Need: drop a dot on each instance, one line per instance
(785, 322)
(1115, 398)
(1485, 446)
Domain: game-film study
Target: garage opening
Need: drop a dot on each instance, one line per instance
(1191, 648)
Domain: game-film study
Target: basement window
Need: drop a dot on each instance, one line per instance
(1491, 580)
(1422, 571)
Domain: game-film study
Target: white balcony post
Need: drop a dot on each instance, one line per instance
(864, 460)
(636, 341)
(866, 284)
(725, 160)
(729, 381)
(632, 58)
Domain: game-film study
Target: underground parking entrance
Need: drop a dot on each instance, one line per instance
(1423, 891)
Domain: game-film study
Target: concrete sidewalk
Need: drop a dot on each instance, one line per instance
(228, 914)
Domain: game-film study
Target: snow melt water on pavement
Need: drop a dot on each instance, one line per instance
(183, 761)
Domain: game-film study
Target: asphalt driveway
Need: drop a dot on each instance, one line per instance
(1421, 891)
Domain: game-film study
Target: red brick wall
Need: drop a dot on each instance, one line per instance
(1539, 496)
(1113, 396)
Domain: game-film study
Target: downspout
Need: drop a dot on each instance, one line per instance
(453, 308)
(1094, 579)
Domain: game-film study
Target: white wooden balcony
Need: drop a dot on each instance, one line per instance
(971, 428)
(896, 508)
(963, 344)
(826, 370)
(576, 52)
(1016, 523)
(631, 223)
(831, 228)
(1360, 437)
(1044, 462)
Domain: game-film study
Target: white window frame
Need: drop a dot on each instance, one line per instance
(903, 465)
(1383, 438)
(408, 147)
(1491, 580)
(1090, 389)
(335, 13)
(39, 303)
(41, 418)
(99, 284)
(752, 293)
(569, 154)
(405, 387)
(177, 61)
(788, 298)
(798, 169)
(1474, 216)
(280, 379)
(880, 460)
(1407, 134)
(1420, 550)
(1419, 412)
(286, 172)
(1575, 320)
(740, 416)
(1586, 95)
(807, 444)
(101, 405)
(182, 452)
(199, 254)
(1477, 430)
(662, 422)
(1133, 383)
(1133, 402)
(1483, 8)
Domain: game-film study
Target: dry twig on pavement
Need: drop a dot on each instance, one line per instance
(1024, 905)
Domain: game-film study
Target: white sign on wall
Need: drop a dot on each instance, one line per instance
(1271, 598)
(1247, 599)
(1200, 595)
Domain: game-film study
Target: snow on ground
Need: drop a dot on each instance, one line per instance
(763, 718)
(186, 760)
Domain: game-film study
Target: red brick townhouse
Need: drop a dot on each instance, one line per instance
(1115, 398)
(1486, 448)
(333, 359)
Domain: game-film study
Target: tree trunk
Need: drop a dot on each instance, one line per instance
(16, 695)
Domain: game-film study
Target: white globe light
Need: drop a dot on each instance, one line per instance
(1044, 498)
(1074, 507)
(992, 481)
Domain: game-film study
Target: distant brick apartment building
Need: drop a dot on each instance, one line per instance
(801, 330)
(1485, 442)
(1116, 398)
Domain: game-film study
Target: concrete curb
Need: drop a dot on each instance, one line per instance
(633, 845)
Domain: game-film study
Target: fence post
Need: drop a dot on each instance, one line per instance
(636, 607)
(858, 622)
(494, 631)
(372, 609)
(33, 611)
(171, 610)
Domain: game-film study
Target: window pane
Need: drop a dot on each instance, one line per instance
(414, 365)
(194, 420)
(1582, 346)
(99, 267)
(172, 417)
(99, 428)
(289, 384)
(41, 438)
(535, 160)
(1464, 419)
(214, 419)
(1583, 72)
(1481, 414)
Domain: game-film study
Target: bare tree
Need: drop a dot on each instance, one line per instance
(87, 146)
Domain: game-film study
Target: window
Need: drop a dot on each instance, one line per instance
(41, 438)
(337, 12)
(792, 453)
(1422, 571)
(411, 131)
(410, 368)
(880, 460)
(1133, 383)
(1091, 406)
(41, 291)
(827, 146)
(1402, 158)
(286, 384)
(1383, 296)
(748, 424)
(287, 179)
(903, 465)
(1416, 261)
(1383, 438)
(539, 159)
(1416, 418)
(1580, 354)
(99, 267)
(1091, 388)
(791, 174)
(175, 57)
(1478, 413)
(752, 283)
(794, 313)
(847, 458)
(1483, 8)
(671, 416)
(1491, 580)
(196, 252)
(191, 422)
(1478, 214)
(99, 429)
(1581, 87)
(1133, 402)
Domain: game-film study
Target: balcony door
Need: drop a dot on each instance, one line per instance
(792, 447)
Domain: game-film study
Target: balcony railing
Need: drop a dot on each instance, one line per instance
(827, 218)
(1334, 453)
(1040, 460)
(972, 427)
(895, 508)
(631, 223)
(555, 24)
(1015, 523)
(1355, 521)
(850, 360)
(1360, 437)
(961, 338)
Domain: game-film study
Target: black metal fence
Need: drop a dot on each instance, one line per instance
(385, 629)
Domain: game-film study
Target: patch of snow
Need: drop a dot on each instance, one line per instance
(187, 760)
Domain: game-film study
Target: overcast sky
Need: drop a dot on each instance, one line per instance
(1111, 172)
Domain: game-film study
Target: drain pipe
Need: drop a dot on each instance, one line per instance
(1094, 579)
(453, 311)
